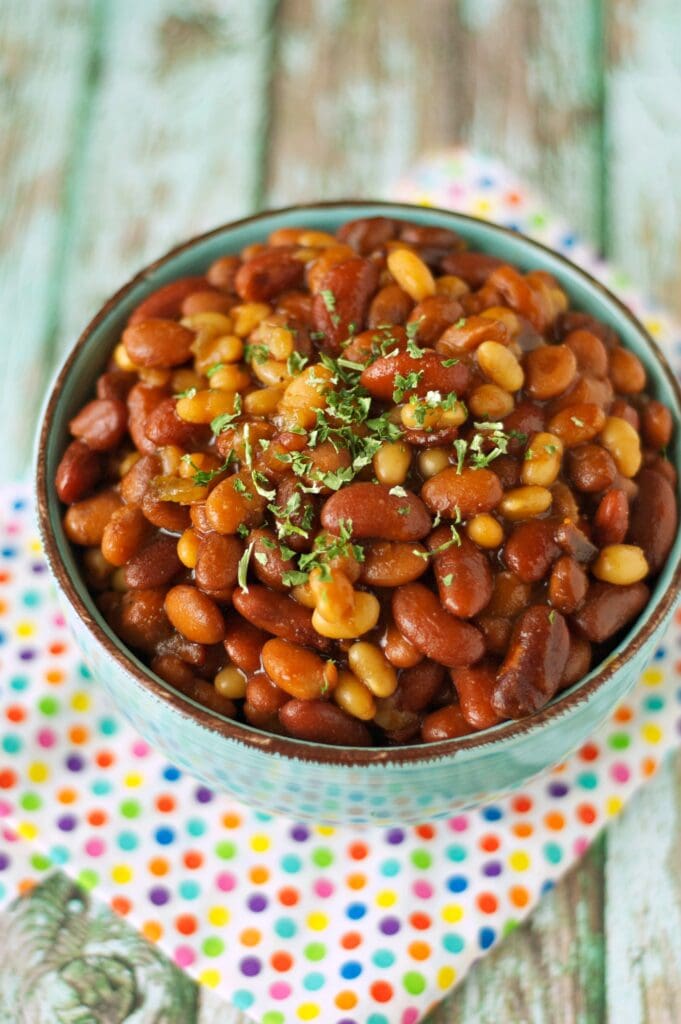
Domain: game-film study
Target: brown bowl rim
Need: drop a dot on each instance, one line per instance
(285, 746)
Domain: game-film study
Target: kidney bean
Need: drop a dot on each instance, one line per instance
(626, 371)
(533, 667)
(367, 234)
(141, 621)
(164, 427)
(469, 492)
(578, 662)
(468, 333)
(626, 412)
(343, 300)
(186, 650)
(525, 420)
(78, 472)
(195, 615)
(263, 701)
(115, 384)
(138, 480)
(418, 686)
(299, 672)
(166, 302)
(424, 622)
(222, 272)
(531, 548)
(173, 670)
(591, 468)
(392, 563)
(85, 520)
(234, 501)
(268, 273)
(549, 371)
(124, 535)
(656, 424)
(475, 686)
(570, 321)
(473, 267)
(101, 423)
(608, 608)
(653, 520)
(577, 424)
(217, 565)
(429, 235)
(496, 631)
(154, 566)
(432, 375)
(205, 694)
(590, 352)
(433, 437)
(434, 315)
(663, 466)
(158, 343)
(279, 614)
(462, 572)
(587, 391)
(166, 515)
(611, 519)
(398, 650)
(568, 585)
(373, 510)
(267, 561)
(317, 721)
(207, 300)
(243, 642)
(142, 401)
(446, 723)
(305, 517)
(510, 595)
(390, 305)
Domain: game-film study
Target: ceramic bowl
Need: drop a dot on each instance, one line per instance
(334, 784)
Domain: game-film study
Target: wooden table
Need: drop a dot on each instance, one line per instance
(129, 125)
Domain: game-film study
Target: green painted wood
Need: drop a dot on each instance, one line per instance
(45, 59)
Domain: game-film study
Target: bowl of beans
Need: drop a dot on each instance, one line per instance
(363, 512)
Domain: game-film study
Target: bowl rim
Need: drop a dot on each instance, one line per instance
(283, 746)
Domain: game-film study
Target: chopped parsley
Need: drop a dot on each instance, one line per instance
(256, 354)
(577, 422)
(447, 580)
(212, 370)
(220, 423)
(405, 382)
(187, 393)
(242, 571)
(202, 477)
(454, 539)
(295, 363)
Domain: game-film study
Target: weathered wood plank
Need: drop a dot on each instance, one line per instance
(45, 55)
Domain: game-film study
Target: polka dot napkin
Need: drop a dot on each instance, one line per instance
(293, 922)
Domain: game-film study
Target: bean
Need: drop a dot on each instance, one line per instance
(154, 566)
(163, 427)
(299, 672)
(235, 501)
(496, 631)
(367, 234)
(353, 697)
(473, 267)
(263, 701)
(207, 300)
(124, 535)
(362, 619)
(586, 391)
(462, 572)
(243, 643)
(390, 305)
(654, 518)
(533, 667)
(591, 468)
(432, 461)
(79, 470)
(141, 621)
(573, 321)
(621, 564)
(530, 549)
(303, 518)
(485, 531)
(438, 436)
(578, 662)
(343, 300)
(491, 402)
(186, 650)
(446, 723)
(468, 333)
(195, 615)
(525, 420)
(411, 273)
(549, 371)
(430, 373)
(267, 561)
(137, 482)
(217, 565)
(142, 401)
(398, 650)
(101, 423)
(623, 443)
(510, 595)
(333, 598)
(432, 630)
(608, 608)
(525, 502)
(204, 693)
(156, 342)
(620, 407)
(279, 614)
(590, 352)
(475, 687)
(470, 492)
(268, 273)
(434, 315)
(626, 371)
(656, 424)
(230, 682)
(222, 272)
(568, 585)
(661, 464)
(373, 510)
(392, 462)
(543, 459)
(370, 665)
(419, 686)
(392, 563)
(501, 366)
(166, 515)
(85, 520)
(317, 721)
(173, 670)
(577, 424)
(166, 302)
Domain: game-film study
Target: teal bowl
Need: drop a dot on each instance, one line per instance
(340, 785)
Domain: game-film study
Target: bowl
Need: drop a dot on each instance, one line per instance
(341, 785)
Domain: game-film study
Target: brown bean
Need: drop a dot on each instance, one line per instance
(268, 273)
(473, 267)
(424, 622)
(611, 519)
(663, 466)
(510, 595)
(466, 493)
(79, 470)
(590, 352)
(222, 272)
(279, 614)
(446, 723)
(206, 300)
(299, 672)
(434, 315)
(608, 608)
(392, 563)
(142, 401)
(318, 721)
(85, 520)
(418, 686)
(374, 511)
(173, 670)
(653, 520)
(205, 694)
(525, 420)
(462, 572)
(166, 302)
(366, 234)
(568, 585)
(586, 391)
(124, 535)
(156, 342)
(578, 662)
(142, 622)
(467, 333)
(302, 524)
(235, 501)
(390, 305)
(533, 667)
(575, 542)
(429, 235)
(195, 615)
(154, 566)
(591, 468)
(186, 650)
(624, 411)
(549, 371)
(433, 437)
(217, 565)
(263, 700)
(166, 515)
(475, 685)
(115, 384)
(656, 424)
(138, 480)
(343, 300)
(101, 423)
(429, 369)
(369, 345)
(267, 560)
(398, 650)
(575, 321)
(531, 549)
(577, 424)
(496, 631)
(626, 371)
(243, 642)
(164, 427)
